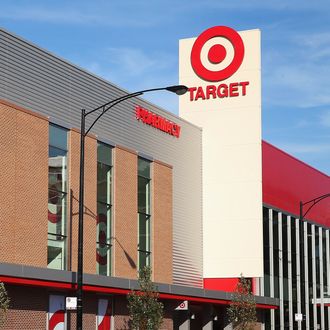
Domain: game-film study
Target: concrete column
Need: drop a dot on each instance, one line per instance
(182, 320)
(208, 317)
(185, 325)
(298, 270)
(290, 271)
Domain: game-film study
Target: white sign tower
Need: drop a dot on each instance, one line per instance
(222, 70)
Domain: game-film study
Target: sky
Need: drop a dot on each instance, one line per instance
(134, 44)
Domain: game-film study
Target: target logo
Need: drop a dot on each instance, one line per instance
(183, 306)
(217, 53)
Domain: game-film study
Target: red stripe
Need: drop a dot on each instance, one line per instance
(31, 282)
(221, 284)
(57, 317)
(105, 324)
(92, 288)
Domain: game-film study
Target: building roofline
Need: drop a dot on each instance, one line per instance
(295, 158)
(60, 279)
(62, 59)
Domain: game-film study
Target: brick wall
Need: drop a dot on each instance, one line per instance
(28, 308)
(89, 314)
(125, 214)
(24, 186)
(89, 200)
(121, 315)
(162, 219)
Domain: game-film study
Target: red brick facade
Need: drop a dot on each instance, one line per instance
(24, 186)
(24, 200)
(125, 214)
(162, 209)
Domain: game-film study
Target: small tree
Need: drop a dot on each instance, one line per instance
(4, 303)
(146, 312)
(242, 312)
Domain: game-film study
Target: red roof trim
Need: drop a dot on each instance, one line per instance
(94, 288)
(295, 158)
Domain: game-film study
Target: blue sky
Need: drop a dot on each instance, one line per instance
(134, 44)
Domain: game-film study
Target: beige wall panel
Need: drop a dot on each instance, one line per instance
(24, 186)
(89, 200)
(162, 219)
(232, 175)
(125, 214)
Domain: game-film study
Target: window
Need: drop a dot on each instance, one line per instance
(103, 232)
(144, 215)
(56, 313)
(57, 197)
(104, 313)
(276, 254)
(266, 252)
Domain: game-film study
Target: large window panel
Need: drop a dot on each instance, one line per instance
(144, 216)
(57, 197)
(104, 197)
(143, 195)
(266, 252)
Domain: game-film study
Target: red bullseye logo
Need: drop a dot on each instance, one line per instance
(217, 53)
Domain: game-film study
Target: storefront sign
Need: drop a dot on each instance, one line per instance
(215, 56)
(222, 69)
(183, 306)
(156, 121)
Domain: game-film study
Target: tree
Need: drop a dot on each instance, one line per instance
(242, 311)
(4, 303)
(146, 312)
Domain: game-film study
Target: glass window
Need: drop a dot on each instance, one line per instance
(57, 197)
(276, 256)
(56, 318)
(144, 216)
(294, 262)
(266, 252)
(58, 137)
(325, 265)
(144, 168)
(104, 188)
(317, 260)
(310, 269)
(285, 257)
(143, 195)
(302, 267)
(104, 154)
(144, 240)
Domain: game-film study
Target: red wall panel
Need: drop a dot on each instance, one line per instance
(287, 180)
(221, 284)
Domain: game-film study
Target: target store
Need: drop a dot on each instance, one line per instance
(198, 197)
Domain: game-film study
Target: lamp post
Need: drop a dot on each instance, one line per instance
(179, 90)
(311, 203)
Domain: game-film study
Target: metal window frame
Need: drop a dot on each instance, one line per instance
(289, 221)
(306, 264)
(109, 206)
(321, 276)
(314, 276)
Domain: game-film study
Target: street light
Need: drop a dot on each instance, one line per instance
(179, 90)
(311, 203)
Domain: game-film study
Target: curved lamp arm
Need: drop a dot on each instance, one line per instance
(313, 202)
(177, 89)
